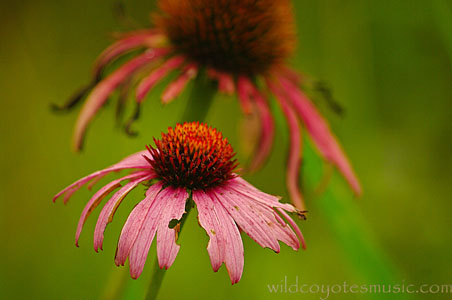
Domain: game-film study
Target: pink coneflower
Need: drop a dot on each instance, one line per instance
(190, 160)
(243, 45)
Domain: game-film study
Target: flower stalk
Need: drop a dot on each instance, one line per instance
(200, 99)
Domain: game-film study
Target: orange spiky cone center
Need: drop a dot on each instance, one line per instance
(194, 156)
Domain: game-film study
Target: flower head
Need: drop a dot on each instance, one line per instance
(235, 36)
(191, 159)
(193, 156)
(243, 45)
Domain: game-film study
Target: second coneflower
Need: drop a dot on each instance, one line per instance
(190, 160)
(242, 44)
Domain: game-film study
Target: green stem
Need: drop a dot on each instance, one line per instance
(115, 284)
(199, 102)
(156, 282)
(200, 99)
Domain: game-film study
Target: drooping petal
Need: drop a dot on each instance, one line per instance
(248, 218)
(134, 161)
(209, 221)
(267, 130)
(102, 91)
(97, 198)
(109, 209)
(176, 87)
(225, 81)
(225, 244)
(321, 134)
(294, 226)
(257, 218)
(129, 42)
(244, 91)
(294, 159)
(167, 248)
(155, 76)
(156, 216)
(135, 222)
(281, 230)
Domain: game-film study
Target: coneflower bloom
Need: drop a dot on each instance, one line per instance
(194, 160)
(243, 45)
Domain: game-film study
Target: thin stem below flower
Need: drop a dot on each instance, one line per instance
(156, 282)
(115, 284)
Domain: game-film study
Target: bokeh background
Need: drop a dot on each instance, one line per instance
(388, 63)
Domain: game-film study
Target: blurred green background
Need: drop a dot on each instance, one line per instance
(387, 62)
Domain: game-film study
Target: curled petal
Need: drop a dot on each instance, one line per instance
(75, 98)
(134, 161)
(225, 244)
(176, 87)
(267, 130)
(321, 134)
(102, 91)
(158, 74)
(294, 159)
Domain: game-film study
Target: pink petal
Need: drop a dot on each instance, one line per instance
(129, 42)
(95, 180)
(167, 248)
(264, 216)
(245, 214)
(109, 209)
(134, 161)
(140, 249)
(245, 92)
(135, 222)
(294, 160)
(281, 230)
(225, 81)
(209, 221)
(267, 130)
(225, 244)
(152, 79)
(176, 87)
(294, 226)
(240, 185)
(291, 75)
(97, 198)
(321, 134)
(102, 91)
